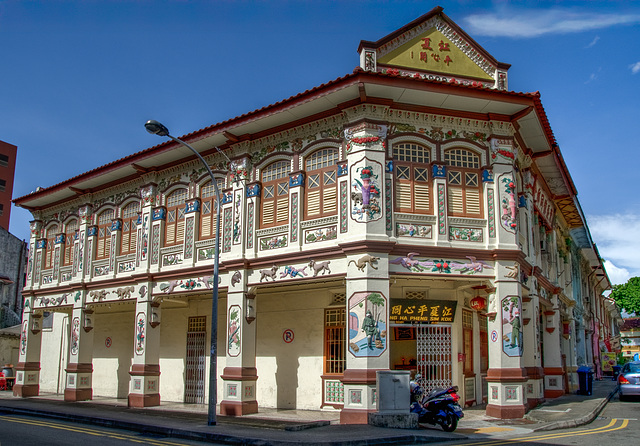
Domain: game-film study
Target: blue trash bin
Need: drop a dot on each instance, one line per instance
(585, 380)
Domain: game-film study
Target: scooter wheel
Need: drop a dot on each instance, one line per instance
(449, 423)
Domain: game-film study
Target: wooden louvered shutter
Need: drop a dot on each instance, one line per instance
(313, 203)
(282, 205)
(268, 212)
(421, 197)
(472, 201)
(330, 200)
(403, 196)
(456, 200)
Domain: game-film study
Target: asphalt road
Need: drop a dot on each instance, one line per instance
(617, 425)
(19, 430)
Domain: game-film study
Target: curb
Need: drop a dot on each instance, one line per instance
(588, 418)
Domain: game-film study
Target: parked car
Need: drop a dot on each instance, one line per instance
(629, 380)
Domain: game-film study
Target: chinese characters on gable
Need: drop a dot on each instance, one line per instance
(440, 53)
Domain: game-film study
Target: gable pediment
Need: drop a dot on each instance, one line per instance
(434, 44)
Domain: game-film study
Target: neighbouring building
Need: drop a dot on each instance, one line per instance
(413, 214)
(7, 170)
(13, 266)
(630, 338)
(13, 251)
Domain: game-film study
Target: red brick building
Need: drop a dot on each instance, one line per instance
(7, 171)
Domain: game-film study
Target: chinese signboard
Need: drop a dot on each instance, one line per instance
(432, 311)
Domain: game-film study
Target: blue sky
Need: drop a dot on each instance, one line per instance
(80, 78)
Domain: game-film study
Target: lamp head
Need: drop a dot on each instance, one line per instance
(156, 128)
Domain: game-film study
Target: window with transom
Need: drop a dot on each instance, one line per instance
(103, 242)
(413, 188)
(129, 228)
(208, 211)
(275, 194)
(322, 183)
(335, 341)
(174, 229)
(464, 184)
(69, 235)
(50, 246)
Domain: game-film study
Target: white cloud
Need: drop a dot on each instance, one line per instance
(616, 275)
(534, 23)
(594, 41)
(635, 68)
(618, 240)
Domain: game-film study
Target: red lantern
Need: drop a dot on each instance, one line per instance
(478, 303)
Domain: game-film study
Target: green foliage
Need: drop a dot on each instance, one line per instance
(627, 296)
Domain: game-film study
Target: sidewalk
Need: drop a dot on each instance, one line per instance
(296, 427)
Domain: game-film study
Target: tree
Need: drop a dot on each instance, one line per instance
(627, 296)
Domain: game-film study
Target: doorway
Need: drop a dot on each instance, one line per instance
(196, 360)
(434, 363)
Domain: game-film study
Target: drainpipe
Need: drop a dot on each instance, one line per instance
(18, 301)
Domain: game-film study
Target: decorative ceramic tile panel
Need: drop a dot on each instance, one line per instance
(441, 210)
(343, 207)
(492, 212)
(294, 217)
(226, 241)
(250, 225)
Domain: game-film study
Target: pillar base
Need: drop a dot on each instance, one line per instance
(78, 394)
(534, 402)
(239, 391)
(355, 416)
(27, 381)
(140, 400)
(506, 412)
(25, 391)
(552, 393)
(238, 408)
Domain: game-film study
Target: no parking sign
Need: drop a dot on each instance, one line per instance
(287, 336)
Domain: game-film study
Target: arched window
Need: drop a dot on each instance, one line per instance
(322, 180)
(208, 211)
(174, 232)
(50, 247)
(103, 246)
(413, 187)
(129, 228)
(463, 183)
(70, 231)
(275, 194)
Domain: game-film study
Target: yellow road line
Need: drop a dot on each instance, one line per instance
(555, 435)
(89, 431)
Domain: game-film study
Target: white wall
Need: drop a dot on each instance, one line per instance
(289, 375)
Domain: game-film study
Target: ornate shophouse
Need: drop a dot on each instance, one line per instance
(414, 214)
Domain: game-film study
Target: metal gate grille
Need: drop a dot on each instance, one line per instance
(196, 361)
(434, 356)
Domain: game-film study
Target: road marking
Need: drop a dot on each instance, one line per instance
(485, 430)
(553, 410)
(89, 431)
(599, 430)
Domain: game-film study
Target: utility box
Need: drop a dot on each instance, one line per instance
(393, 400)
(392, 389)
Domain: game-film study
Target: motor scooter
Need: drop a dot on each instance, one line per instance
(439, 407)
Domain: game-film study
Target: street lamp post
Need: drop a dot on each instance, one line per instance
(158, 129)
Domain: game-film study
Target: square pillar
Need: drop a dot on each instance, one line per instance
(144, 387)
(240, 373)
(367, 332)
(28, 368)
(79, 369)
